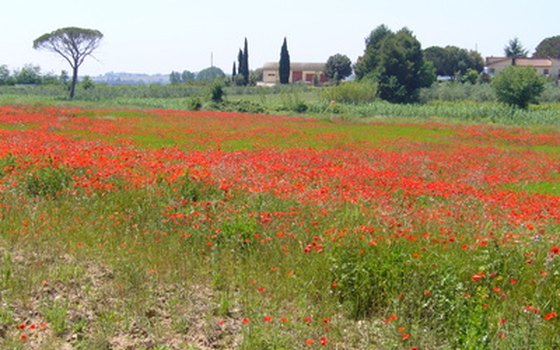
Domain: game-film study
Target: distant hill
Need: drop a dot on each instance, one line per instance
(113, 78)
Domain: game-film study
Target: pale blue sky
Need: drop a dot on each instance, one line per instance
(158, 36)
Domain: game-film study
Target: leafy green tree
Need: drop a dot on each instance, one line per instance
(64, 78)
(369, 62)
(549, 47)
(210, 73)
(187, 76)
(5, 76)
(73, 44)
(439, 57)
(175, 78)
(284, 65)
(453, 61)
(471, 76)
(87, 83)
(514, 49)
(49, 79)
(256, 76)
(29, 74)
(402, 70)
(338, 67)
(518, 86)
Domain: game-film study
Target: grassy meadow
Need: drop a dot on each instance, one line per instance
(134, 223)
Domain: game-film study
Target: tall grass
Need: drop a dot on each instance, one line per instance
(452, 101)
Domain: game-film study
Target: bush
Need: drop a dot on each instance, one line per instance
(454, 91)
(47, 182)
(518, 86)
(352, 92)
(217, 92)
(194, 104)
(551, 94)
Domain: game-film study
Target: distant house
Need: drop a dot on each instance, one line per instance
(306, 72)
(548, 67)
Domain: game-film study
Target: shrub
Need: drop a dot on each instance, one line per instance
(47, 182)
(194, 104)
(217, 92)
(518, 86)
(352, 92)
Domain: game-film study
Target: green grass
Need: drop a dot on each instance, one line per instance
(548, 188)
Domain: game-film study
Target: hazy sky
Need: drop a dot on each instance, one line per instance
(158, 36)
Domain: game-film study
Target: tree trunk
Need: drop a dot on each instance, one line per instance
(74, 81)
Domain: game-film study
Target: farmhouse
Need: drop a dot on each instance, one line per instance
(307, 72)
(548, 67)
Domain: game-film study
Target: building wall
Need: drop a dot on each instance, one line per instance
(497, 67)
(551, 72)
(271, 76)
(555, 69)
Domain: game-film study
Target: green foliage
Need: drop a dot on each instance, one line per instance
(47, 182)
(7, 165)
(355, 92)
(195, 104)
(256, 76)
(369, 62)
(244, 64)
(217, 91)
(28, 75)
(87, 83)
(453, 61)
(284, 65)
(56, 317)
(187, 76)
(471, 76)
(5, 76)
(549, 47)
(239, 80)
(396, 61)
(367, 282)
(210, 74)
(175, 77)
(515, 49)
(518, 86)
(456, 91)
(338, 67)
(402, 70)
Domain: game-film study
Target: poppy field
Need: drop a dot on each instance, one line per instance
(162, 229)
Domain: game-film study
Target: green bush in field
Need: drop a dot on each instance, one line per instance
(47, 182)
(356, 92)
(518, 86)
(217, 92)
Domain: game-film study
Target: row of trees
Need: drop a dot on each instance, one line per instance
(547, 48)
(454, 62)
(210, 73)
(31, 75)
(240, 74)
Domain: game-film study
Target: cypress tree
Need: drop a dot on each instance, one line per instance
(284, 65)
(246, 63)
(233, 71)
(240, 62)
